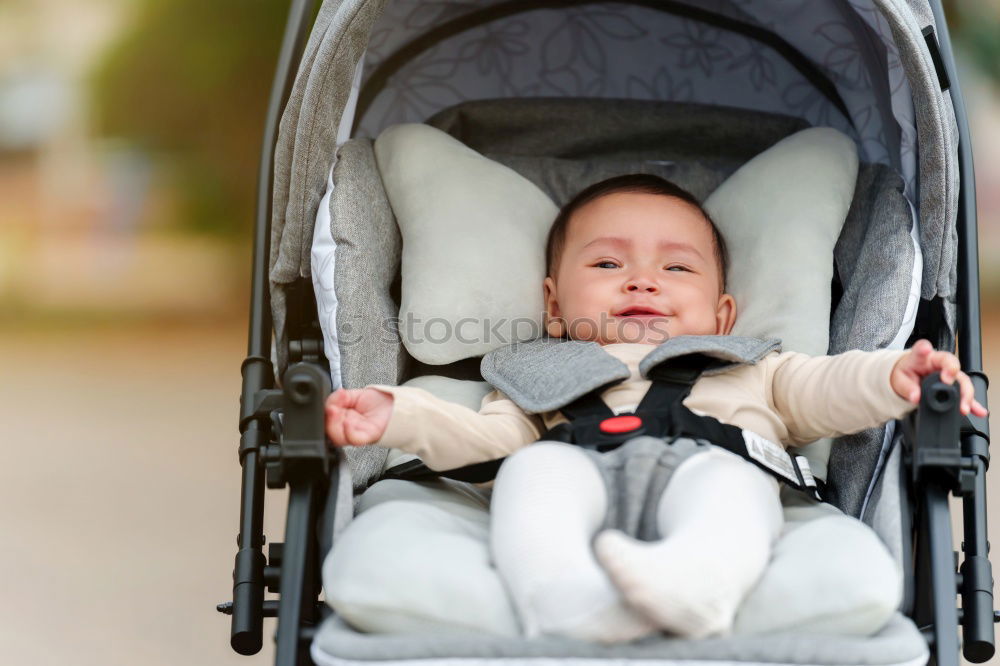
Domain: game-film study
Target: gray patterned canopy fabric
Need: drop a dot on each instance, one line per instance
(630, 51)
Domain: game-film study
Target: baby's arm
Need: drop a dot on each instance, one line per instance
(443, 434)
(827, 396)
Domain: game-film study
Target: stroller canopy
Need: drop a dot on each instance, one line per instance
(864, 67)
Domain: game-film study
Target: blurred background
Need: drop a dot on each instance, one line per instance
(129, 138)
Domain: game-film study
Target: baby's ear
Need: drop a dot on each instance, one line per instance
(725, 314)
(549, 295)
(553, 317)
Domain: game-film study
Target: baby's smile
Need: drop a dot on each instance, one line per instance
(640, 312)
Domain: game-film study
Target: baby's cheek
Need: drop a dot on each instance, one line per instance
(584, 328)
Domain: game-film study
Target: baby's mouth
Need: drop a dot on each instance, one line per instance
(637, 311)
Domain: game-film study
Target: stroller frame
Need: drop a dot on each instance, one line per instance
(282, 439)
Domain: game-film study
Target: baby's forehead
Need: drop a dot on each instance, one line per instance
(649, 217)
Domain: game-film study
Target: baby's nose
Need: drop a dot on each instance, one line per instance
(641, 284)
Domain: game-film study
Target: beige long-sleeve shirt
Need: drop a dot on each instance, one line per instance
(786, 397)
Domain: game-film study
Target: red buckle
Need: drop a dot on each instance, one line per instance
(616, 425)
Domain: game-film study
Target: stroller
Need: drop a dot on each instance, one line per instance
(518, 80)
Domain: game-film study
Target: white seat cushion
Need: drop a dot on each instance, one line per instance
(473, 245)
(781, 214)
(416, 559)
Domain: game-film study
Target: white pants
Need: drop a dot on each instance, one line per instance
(719, 517)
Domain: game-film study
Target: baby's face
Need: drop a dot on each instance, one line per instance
(638, 268)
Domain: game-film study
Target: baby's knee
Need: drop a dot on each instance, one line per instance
(726, 471)
(548, 478)
(742, 475)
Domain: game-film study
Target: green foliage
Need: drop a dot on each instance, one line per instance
(975, 30)
(189, 80)
(981, 40)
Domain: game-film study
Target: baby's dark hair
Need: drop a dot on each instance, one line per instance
(640, 183)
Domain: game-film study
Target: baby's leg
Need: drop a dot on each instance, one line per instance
(548, 502)
(719, 516)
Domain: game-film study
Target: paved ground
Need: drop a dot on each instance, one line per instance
(119, 493)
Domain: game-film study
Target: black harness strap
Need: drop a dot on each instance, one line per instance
(416, 470)
(661, 413)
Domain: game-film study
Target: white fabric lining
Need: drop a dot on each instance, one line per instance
(324, 247)
(324, 259)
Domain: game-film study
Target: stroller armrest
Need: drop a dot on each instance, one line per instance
(302, 452)
(931, 436)
(948, 453)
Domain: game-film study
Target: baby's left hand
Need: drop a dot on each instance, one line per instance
(921, 361)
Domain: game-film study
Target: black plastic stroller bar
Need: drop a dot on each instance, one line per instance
(940, 464)
(969, 336)
(248, 573)
(978, 629)
(248, 576)
(304, 464)
(977, 576)
(936, 468)
(297, 604)
(300, 14)
(941, 592)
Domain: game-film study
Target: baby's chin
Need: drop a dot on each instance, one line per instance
(643, 330)
(648, 331)
(648, 340)
(639, 330)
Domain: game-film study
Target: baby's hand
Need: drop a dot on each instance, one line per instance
(921, 361)
(355, 417)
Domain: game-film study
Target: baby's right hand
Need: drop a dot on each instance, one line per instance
(356, 417)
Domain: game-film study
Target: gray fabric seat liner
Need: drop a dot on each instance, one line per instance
(874, 257)
(899, 642)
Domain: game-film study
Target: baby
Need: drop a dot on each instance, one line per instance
(632, 262)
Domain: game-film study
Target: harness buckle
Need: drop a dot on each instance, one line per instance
(621, 424)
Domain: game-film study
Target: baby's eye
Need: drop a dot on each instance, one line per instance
(605, 264)
(677, 267)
